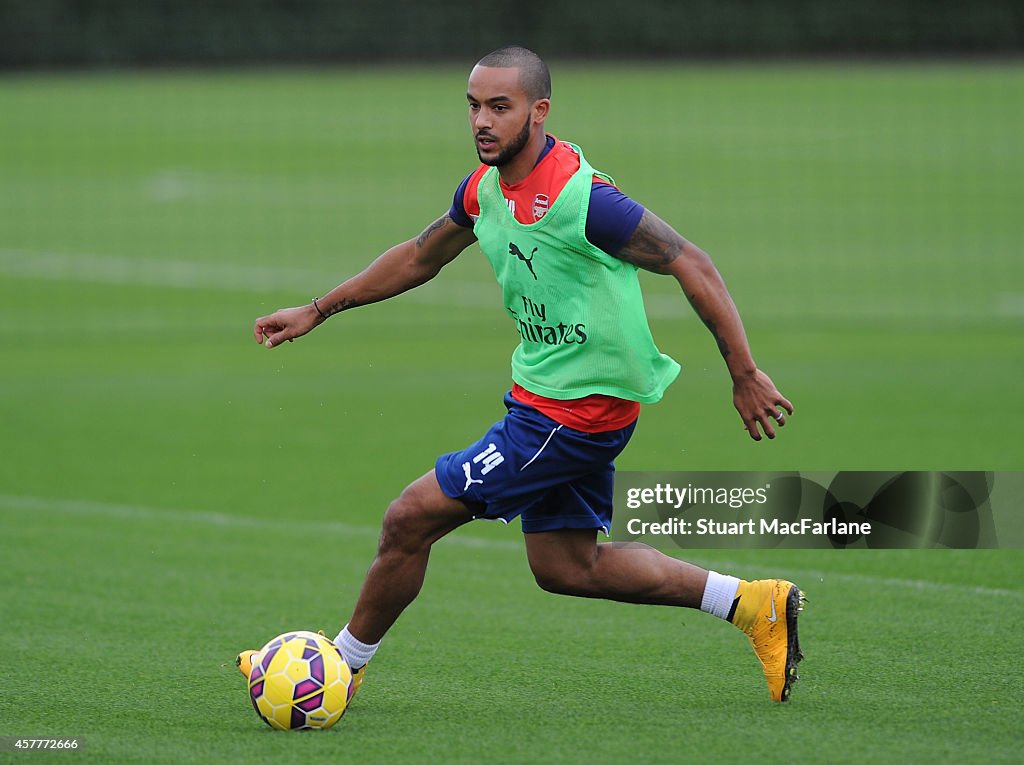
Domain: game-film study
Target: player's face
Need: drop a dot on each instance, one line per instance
(500, 114)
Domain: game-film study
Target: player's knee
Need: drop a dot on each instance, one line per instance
(550, 582)
(402, 529)
(561, 579)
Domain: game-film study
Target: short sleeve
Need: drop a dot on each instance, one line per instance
(458, 209)
(612, 217)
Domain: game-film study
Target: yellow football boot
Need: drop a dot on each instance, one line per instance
(244, 662)
(767, 610)
(357, 680)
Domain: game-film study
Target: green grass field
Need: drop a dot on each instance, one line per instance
(171, 493)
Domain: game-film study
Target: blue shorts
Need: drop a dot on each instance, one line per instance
(527, 464)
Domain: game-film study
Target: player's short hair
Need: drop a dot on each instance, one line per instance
(534, 77)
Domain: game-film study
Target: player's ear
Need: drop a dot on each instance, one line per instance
(541, 107)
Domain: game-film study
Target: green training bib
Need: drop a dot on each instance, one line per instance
(578, 310)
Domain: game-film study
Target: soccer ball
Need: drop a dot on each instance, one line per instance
(299, 681)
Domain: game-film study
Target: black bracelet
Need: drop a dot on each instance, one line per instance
(322, 314)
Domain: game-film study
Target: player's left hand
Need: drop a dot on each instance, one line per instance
(760, 404)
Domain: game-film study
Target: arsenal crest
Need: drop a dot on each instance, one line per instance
(540, 206)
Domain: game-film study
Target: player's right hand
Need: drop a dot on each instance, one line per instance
(286, 324)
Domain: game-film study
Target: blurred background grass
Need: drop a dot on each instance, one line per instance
(865, 218)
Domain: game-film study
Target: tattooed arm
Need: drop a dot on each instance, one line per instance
(655, 246)
(400, 268)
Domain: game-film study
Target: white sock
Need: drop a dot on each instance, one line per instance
(356, 653)
(719, 593)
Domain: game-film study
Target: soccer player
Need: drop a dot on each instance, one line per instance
(565, 245)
